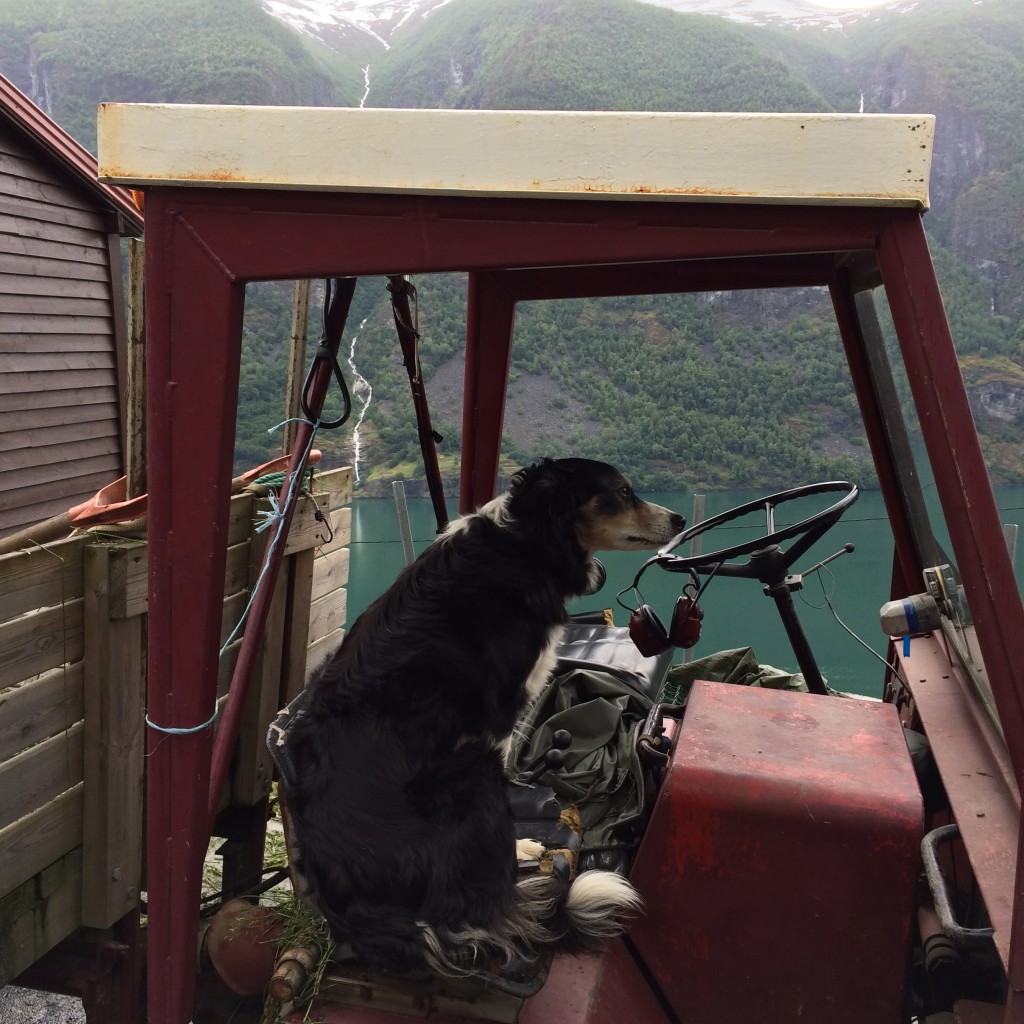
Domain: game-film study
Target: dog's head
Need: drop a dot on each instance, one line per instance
(592, 503)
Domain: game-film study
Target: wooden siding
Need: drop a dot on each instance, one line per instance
(60, 434)
(72, 679)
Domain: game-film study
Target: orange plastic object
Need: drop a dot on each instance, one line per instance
(110, 504)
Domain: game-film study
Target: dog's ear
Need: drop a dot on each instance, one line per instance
(546, 492)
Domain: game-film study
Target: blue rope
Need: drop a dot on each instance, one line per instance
(275, 515)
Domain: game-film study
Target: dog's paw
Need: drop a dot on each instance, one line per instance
(529, 849)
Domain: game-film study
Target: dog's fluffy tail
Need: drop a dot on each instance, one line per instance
(598, 904)
(579, 918)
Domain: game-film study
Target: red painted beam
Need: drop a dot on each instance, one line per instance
(194, 317)
(490, 315)
(337, 234)
(961, 476)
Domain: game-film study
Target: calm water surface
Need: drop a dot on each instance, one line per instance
(736, 612)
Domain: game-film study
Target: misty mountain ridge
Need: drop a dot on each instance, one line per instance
(578, 380)
(339, 23)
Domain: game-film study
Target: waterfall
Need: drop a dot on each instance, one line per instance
(362, 392)
(366, 84)
(39, 91)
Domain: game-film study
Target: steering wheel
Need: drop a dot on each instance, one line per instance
(766, 560)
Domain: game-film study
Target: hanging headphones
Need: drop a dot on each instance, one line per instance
(648, 632)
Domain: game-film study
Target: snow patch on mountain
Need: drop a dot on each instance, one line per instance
(337, 22)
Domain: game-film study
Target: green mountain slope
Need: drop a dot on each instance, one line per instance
(752, 388)
(584, 55)
(69, 57)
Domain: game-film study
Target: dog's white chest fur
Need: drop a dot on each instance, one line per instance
(546, 664)
(536, 681)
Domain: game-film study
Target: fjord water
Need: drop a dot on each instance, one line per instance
(736, 612)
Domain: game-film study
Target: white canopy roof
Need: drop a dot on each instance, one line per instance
(849, 159)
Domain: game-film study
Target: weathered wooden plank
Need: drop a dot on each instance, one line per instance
(301, 570)
(47, 358)
(234, 609)
(46, 323)
(16, 245)
(41, 186)
(24, 305)
(31, 443)
(113, 748)
(341, 522)
(318, 652)
(129, 580)
(237, 570)
(15, 342)
(39, 708)
(252, 768)
(92, 437)
(41, 458)
(132, 595)
(78, 478)
(36, 382)
(39, 641)
(39, 577)
(37, 775)
(307, 567)
(22, 159)
(297, 343)
(31, 504)
(73, 217)
(39, 914)
(94, 456)
(17, 402)
(61, 234)
(330, 572)
(240, 517)
(337, 483)
(875, 159)
(327, 615)
(306, 531)
(49, 265)
(38, 839)
(49, 287)
(135, 421)
(39, 419)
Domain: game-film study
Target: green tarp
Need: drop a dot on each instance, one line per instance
(603, 775)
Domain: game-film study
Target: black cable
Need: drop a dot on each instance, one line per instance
(327, 351)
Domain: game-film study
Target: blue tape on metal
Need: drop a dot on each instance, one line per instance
(913, 626)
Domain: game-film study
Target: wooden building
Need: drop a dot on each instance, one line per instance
(62, 322)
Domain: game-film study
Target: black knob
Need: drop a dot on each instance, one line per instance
(562, 739)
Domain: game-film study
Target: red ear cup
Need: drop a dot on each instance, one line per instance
(647, 632)
(686, 619)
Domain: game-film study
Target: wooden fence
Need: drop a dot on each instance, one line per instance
(72, 689)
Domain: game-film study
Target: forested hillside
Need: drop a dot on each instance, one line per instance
(69, 57)
(583, 55)
(750, 389)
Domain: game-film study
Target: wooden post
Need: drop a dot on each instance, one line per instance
(113, 752)
(296, 361)
(135, 400)
(251, 766)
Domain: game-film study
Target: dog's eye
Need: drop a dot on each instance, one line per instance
(626, 492)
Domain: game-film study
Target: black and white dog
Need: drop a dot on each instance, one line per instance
(403, 828)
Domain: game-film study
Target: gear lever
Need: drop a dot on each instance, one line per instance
(551, 760)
